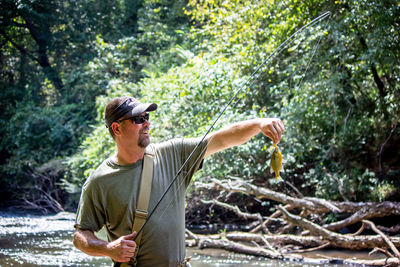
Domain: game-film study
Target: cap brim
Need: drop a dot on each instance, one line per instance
(144, 107)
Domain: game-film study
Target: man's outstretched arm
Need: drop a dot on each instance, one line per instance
(120, 250)
(239, 133)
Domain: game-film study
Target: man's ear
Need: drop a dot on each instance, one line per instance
(116, 128)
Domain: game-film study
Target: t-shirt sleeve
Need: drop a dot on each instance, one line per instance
(90, 215)
(196, 160)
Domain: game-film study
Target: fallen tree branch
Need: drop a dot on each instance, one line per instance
(230, 242)
(325, 203)
(384, 251)
(239, 186)
(387, 240)
(359, 231)
(268, 245)
(339, 240)
(273, 217)
(327, 244)
(311, 212)
(393, 229)
(388, 262)
(235, 209)
(239, 248)
(366, 212)
(276, 240)
(322, 206)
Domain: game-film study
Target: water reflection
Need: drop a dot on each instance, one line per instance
(27, 240)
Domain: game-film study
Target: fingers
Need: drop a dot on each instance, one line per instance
(124, 260)
(127, 244)
(127, 251)
(279, 128)
(279, 125)
(274, 134)
(123, 248)
(129, 237)
(127, 240)
(273, 128)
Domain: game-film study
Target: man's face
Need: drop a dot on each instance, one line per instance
(136, 132)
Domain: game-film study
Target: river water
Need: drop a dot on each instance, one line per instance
(29, 240)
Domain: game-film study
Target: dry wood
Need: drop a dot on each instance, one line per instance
(240, 186)
(246, 215)
(361, 210)
(366, 212)
(231, 243)
(239, 248)
(389, 262)
(393, 229)
(327, 244)
(359, 231)
(320, 206)
(275, 240)
(325, 203)
(268, 245)
(316, 236)
(387, 240)
(384, 251)
(273, 217)
(339, 240)
(45, 196)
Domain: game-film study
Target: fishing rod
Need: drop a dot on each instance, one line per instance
(244, 84)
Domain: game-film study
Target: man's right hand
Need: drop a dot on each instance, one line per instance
(122, 249)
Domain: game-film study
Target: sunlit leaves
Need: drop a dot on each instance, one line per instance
(322, 84)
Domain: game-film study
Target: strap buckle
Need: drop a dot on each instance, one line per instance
(133, 261)
(142, 214)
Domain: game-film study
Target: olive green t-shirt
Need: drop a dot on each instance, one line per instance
(109, 199)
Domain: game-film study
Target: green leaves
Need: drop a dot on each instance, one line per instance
(321, 85)
(339, 104)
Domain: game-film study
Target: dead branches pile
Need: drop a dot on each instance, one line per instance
(44, 194)
(301, 226)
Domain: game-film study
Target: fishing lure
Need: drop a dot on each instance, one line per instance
(276, 162)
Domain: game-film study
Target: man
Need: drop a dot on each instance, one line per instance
(109, 196)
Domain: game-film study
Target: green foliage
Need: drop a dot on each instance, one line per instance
(57, 57)
(336, 86)
(314, 85)
(39, 135)
(117, 70)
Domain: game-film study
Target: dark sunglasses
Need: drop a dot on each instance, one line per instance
(138, 119)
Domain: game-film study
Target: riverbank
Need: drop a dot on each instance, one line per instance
(37, 240)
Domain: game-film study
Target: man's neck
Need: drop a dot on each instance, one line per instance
(129, 156)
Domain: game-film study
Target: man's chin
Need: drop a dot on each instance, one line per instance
(144, 142)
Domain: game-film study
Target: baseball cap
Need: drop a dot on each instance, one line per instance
(129, 108)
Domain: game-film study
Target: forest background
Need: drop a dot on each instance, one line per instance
(336, 87)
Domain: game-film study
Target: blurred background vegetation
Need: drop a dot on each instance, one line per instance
(336, 87)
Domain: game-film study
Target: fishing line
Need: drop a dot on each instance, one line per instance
(333, 93)
(312, 55)
(307, 67)
(315, 48)
(249, 81)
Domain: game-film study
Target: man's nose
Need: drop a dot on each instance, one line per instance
(146, 123)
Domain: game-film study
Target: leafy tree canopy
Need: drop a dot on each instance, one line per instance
(336, 85)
